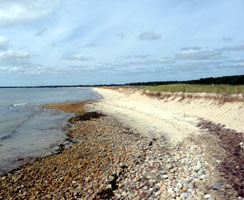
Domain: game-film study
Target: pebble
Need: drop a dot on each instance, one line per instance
(170, 190)
(164, 176)
(103, 161)
(207, 196)
(217, 186)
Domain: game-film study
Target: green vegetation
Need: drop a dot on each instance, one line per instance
(195, 88)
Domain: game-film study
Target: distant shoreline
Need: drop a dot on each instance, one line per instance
(229, 80)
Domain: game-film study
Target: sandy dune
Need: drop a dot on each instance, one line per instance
(169, 118)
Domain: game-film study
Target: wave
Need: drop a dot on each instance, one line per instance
(17, 105)
(6, 137)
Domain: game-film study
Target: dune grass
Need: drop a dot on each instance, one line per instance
(195, 88)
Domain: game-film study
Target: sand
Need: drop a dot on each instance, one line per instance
(172, 117)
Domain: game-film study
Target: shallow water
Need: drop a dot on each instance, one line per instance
(26, 129)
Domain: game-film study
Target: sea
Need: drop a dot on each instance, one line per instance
(27, 130)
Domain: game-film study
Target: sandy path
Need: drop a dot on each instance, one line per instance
(145, 115)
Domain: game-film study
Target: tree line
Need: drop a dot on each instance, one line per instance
(230, 80)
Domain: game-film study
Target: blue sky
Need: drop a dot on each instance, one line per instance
(45, 42)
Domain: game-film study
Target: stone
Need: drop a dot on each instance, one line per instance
(124, 194)
(197, 167)
(170, 190)
(217, 186)
(207, 196)
(164, 176)
(157, 194)
(184, 189)
(139, 171)
(179, 185)
(202, 177)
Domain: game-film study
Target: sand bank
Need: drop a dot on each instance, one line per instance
(173, 117)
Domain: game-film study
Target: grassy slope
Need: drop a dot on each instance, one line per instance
(217, 89)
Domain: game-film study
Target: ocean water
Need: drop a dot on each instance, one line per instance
(26, 129)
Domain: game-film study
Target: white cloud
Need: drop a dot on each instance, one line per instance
(191, 48)
(232, 48)
(17, 11)
(198, 55)
(136, 56)
(14, 57)
(149, 35)
(22, 68)
(3, 43)
(136, 64)
(77, 57)
(3, 68)
(237, 60)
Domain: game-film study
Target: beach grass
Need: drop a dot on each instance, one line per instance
(195, 88)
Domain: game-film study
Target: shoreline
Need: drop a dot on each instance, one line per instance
(54, 148)
(28, 130)
(8, 182)
(110, 160)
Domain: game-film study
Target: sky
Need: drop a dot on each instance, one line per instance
(60, 42)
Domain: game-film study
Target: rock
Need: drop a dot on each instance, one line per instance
(73, 140)
(164, 176)
(197, 167)
(157, 194)
(184, 189)
(162, 172)
(124, 194)
(106, 161)
(202, 177)
(184, 196)
(207, 196)
(179, 185)
(170, 190)
(217, 186)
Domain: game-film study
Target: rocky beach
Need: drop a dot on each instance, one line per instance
(121, 100)
(104, 158)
